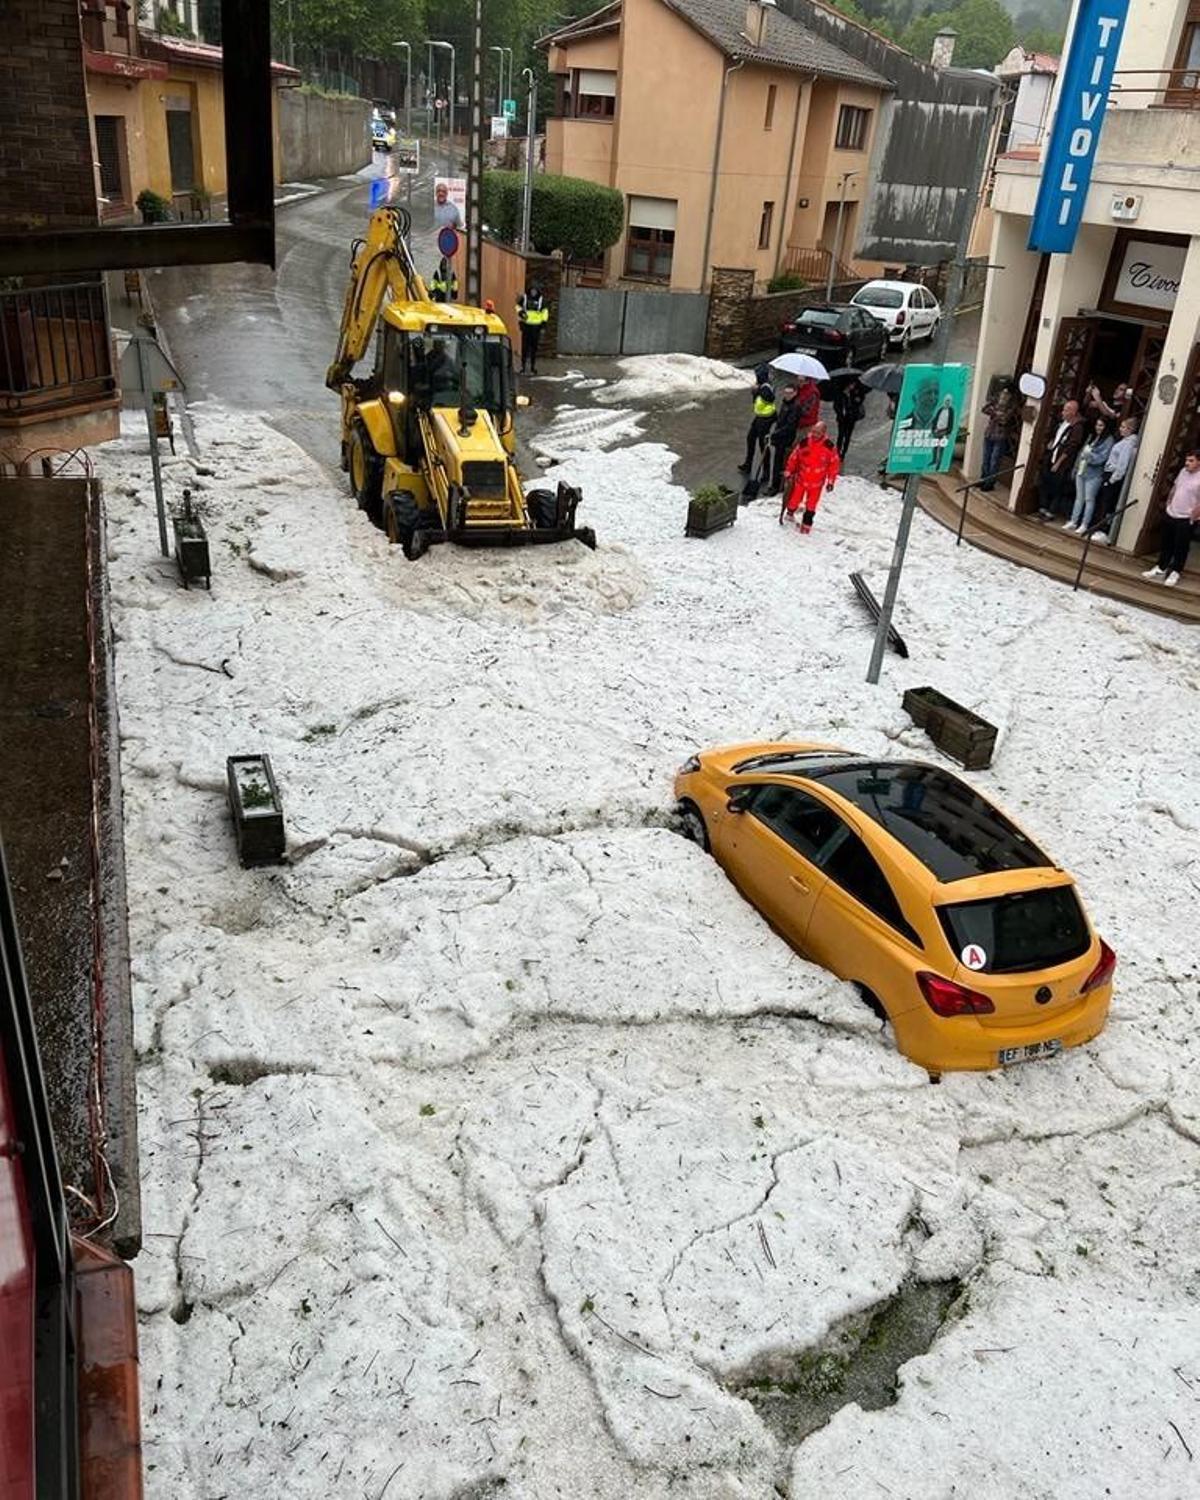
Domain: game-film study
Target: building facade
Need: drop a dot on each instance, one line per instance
(1124, 305)
(750, 149)
(157, 111)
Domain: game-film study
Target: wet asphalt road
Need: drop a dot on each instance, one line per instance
(261, 340)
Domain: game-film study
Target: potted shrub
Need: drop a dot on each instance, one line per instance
(711, 508)
(153, 208)
(191, 545)
(257, 809)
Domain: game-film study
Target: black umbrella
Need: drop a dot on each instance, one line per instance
(889, 378)
(847, 372)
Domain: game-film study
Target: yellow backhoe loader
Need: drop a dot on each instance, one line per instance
(427, 435)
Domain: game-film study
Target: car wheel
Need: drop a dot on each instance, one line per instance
(906, 341)
(692, 825)
(872, 1001)
(934, 328)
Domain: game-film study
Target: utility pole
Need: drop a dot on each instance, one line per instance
(530, 126)
(912, 482)
(475, 168)
(835, 254)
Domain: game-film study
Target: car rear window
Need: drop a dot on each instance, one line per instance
(951, 829)
(878, 297)
(1020, 931)
(826, 317)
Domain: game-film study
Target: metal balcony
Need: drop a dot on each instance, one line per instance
(56, 351)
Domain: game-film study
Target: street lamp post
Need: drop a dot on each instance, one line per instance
(449, 47)
(499, 80)
(407, 85)
(530, 126)
(836, 253)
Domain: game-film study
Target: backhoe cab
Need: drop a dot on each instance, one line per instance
(427, 435)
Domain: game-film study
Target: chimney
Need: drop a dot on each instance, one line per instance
(756, 20)
(943, 47)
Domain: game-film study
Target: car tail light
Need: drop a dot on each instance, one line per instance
(836, 336)
(900, 320)
(789, 328)
(945, 998)
(1103, 972)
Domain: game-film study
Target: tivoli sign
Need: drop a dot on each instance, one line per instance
(1082, 101)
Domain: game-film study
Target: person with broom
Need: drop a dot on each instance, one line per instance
(811, 470)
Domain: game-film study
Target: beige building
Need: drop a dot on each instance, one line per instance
(734, 133)
(157, 110)
(1124, 306)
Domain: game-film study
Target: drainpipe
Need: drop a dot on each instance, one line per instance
(785, 218)
(712, 196)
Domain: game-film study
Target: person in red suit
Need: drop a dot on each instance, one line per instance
(810, 471)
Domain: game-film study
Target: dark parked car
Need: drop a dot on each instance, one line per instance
(837, 334)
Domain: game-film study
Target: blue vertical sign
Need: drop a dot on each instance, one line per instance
(1082, 101)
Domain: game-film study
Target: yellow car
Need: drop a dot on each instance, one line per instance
(904, 880)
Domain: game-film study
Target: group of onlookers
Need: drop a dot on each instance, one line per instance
(1084, 466)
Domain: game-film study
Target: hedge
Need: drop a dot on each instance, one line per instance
(580, 218)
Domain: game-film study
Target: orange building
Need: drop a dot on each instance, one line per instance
(736, 135)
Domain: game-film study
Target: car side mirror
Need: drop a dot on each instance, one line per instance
(736, 805)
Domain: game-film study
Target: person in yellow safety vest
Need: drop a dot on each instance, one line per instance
(533, 315)
(760, 425)
(443, 284)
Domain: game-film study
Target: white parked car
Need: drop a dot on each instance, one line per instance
(906, 310)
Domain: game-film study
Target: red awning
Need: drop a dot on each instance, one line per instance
(118, 65)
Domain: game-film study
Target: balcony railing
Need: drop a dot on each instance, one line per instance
(813, 266)
(55, 349)
(1176, 88)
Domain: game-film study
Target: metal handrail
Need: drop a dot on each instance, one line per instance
(1188, 81)
(1106, 525)
(965, 491)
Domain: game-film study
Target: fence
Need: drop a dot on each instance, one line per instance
(813, 266)
(593, 320)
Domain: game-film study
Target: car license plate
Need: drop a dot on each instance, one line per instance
(804, 349)
(1027, 1054)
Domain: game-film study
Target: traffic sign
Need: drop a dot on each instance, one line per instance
(407, 154)
(447, 242)
(499, 127)
(510, 109)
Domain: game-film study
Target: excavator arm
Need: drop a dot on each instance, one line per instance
(381, 267)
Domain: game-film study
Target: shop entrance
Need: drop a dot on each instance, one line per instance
(1105, 351)
(1185, 434)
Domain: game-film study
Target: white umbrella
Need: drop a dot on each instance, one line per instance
(800, 364)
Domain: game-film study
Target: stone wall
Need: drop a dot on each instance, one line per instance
(740, 323)
(322, 136)
(47, 180)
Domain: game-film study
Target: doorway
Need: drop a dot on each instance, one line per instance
(181, 149)
(1104, 350)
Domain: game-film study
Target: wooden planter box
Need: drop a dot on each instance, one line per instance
(703, 520)
(955, 730)
(257, 809)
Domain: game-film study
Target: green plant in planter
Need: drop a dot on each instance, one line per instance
(153, 208)
(255, 794)
(709, 496)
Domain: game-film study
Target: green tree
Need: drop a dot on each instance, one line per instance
(1041, 39)
(984, 27)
